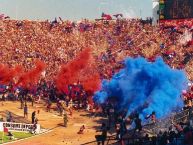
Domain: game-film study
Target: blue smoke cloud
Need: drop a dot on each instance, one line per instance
(145, 87)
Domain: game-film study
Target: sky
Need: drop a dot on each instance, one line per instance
(74, 9)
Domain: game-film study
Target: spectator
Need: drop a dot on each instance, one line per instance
(102, 138)
(25, 109)
(33, 116)
(81, 131)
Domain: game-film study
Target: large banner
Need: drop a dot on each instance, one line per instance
(18, 127)
(175, 9)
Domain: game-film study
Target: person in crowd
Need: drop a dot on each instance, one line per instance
(34, 128)
(70, 111)
(10, 135)
(178, 127)
(33, 116)
(32, 99)
(102, 138)
(65, 119)
(81, 131)
(164, 139)
(152, 117)
(49, 104)
(9, 117)
(25, 110)
(36, 120)
(188, 136)
(138, 125)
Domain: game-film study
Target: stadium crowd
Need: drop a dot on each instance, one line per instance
(58, 42)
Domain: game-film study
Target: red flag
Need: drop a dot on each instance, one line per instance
(106, 16)
(5, 130)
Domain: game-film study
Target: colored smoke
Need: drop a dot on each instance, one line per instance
(8, 74)
(31, 77)
(143, 87)
(92, 83)
(69, 73)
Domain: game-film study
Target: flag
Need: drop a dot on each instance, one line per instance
(106, 16)
(117, 15)
(5, 130)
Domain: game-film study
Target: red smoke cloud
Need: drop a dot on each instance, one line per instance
(17, 75)
(31, 77)
(8, 74)
(92, 83)
(70, 73)
(79, 69)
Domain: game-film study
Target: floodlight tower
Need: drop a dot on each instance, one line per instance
(155, 10)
